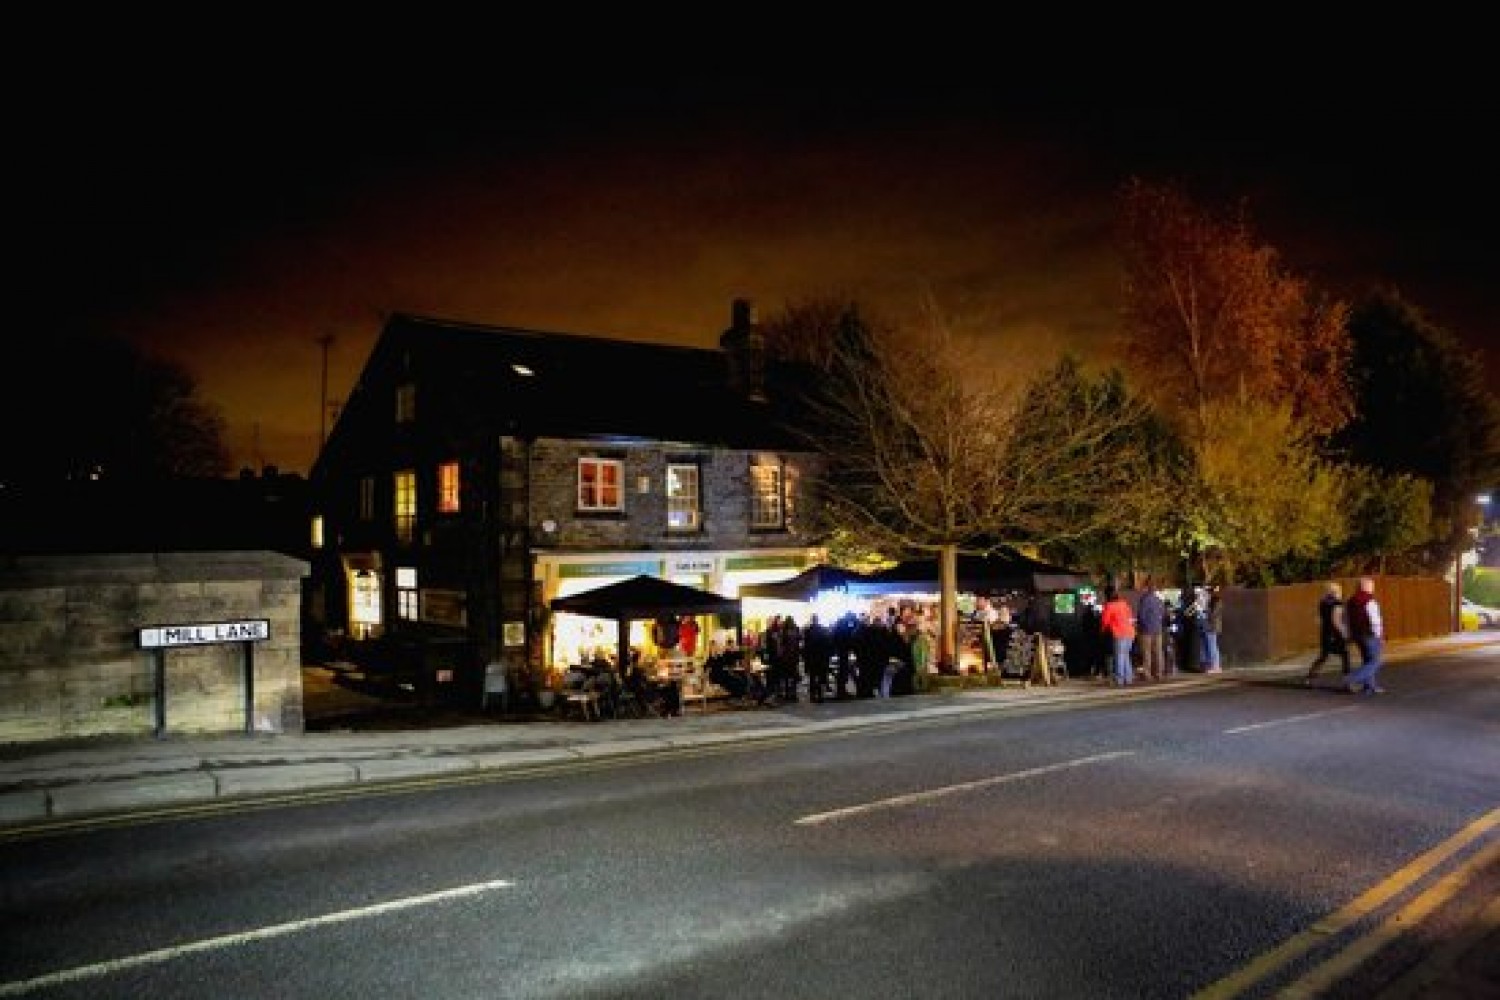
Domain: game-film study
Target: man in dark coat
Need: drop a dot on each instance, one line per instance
(817, 652)
(1333, 632)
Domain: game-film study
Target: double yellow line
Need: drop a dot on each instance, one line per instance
(1319, 979)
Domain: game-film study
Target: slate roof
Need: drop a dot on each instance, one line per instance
(577, 386)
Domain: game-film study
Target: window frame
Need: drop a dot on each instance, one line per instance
(406, 403)
(449, 480)
(404, 505)
(691, 504)
(763, 500)
(408, 596)
(589, 494)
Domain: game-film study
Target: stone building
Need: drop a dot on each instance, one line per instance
(477, 472)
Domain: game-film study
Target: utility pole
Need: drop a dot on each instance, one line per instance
(326, 341)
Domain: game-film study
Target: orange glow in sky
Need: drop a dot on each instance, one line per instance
(235, 243)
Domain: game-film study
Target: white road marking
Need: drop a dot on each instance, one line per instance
(968, 786)
(1289, 720)
(245, 937)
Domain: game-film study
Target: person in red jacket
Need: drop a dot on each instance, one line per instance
(1367, 629)
(1117, 622)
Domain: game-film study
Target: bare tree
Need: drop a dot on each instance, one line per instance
(104, 411)
(933, 448)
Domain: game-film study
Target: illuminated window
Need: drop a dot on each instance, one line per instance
(599, 484)
(406, 592)
(684, 513)
(767, 504)
(447, 488)
(364, 603)
(317, 531)
(406, 505)
(406, 403)
(367, 498)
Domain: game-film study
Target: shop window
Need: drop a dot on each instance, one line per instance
(684, 508)
(600, 484)
(405, 505)
(767, 500)
(447, 488)
(406, 403)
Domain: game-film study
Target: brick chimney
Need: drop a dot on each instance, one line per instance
(746, 349)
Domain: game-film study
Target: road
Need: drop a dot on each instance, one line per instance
(1248, 840)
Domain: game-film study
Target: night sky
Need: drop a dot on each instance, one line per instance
(228, 217)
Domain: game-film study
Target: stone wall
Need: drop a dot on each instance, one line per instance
(724, 493)
(70, 662)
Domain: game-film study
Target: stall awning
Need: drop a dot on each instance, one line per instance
(976, 575)
(805, 586)
(640, 598)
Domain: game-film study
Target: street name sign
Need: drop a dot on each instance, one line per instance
(205, 633)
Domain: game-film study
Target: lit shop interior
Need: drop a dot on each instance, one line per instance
(577, 638)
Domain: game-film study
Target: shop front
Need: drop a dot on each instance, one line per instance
(575, 638)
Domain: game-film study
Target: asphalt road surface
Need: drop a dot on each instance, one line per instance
(1248, 840)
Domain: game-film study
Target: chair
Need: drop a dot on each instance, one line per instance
(585, 702)
(628, 705)
(693, 687)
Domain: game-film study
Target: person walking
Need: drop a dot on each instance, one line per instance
(1367, 629)
(1209, 627)
(1118, 625)
(1333, 631)
(1150, 626)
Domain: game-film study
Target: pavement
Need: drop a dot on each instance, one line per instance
(358, 738)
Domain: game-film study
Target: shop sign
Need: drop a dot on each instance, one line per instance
(575, 570)
(690, 565)
(765, 562)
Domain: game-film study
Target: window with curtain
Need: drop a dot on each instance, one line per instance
(447, 488)
(406, 505)
(600, 484)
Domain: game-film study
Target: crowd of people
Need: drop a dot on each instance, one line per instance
(875, 655)
(891, 653)
(1154, 639)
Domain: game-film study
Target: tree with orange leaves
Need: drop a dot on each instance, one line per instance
(1215, 318)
